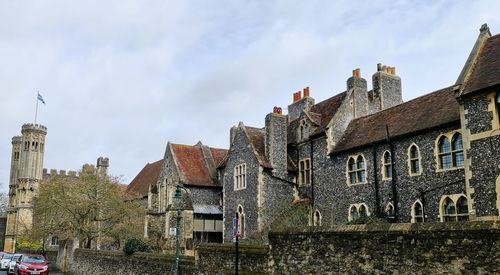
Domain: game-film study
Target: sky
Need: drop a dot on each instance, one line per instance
(122, 78)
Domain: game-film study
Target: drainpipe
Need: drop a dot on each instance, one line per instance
(393, 178)
(375, 181)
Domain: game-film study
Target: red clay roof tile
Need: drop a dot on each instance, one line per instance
(147, 176)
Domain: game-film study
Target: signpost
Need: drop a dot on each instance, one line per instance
(236, 237)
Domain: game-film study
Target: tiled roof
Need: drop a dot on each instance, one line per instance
(425, 112)
(257, 138)
(320, 114)
(486, 71)
(147, 176)
(327, 109)
(218, 155)
(192, 166)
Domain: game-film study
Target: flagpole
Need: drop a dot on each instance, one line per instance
(36, 110)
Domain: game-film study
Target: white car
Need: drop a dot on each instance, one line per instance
(12, 262)
(4, 263)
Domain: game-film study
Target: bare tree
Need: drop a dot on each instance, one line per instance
(86, 207)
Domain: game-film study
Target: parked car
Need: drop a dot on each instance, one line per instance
(12, 262)
(30, 264)
(4, 263)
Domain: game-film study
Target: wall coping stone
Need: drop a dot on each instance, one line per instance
(249, 248)
(400, 228)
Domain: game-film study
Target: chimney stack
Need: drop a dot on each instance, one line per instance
(357, 91)
(306, 91)
(386, 88)
(300, 104)
(276, 141)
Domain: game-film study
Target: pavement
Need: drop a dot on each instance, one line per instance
(3, 272)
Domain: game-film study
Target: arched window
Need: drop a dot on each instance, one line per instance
(444, 153)
(455, 208)
(241, 221)
(356, 169)
(351, 167)
(417, 212)
(353, 213)
(451, 154)
(386, 165)
(303, 130)
(462, 209)
(317, 218)
(449, 210)
(457, 150)
(361, 174)
(389, 211)
(414, 160)
(362, 211)
(357, 211)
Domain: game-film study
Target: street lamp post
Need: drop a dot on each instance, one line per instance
(178, 197)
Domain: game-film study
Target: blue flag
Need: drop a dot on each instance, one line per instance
(41, 98)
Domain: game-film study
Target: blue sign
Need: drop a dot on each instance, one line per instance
(235, 225)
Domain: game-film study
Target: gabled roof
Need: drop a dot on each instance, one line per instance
(426, 112)
(486, 71)
(147, 176)
(192, 165)
(257, 139)
(320, 114)
(327, 109)
(218, 155)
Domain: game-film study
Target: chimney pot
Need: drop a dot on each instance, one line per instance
(394, 70)
(379, 67)
(306, 91)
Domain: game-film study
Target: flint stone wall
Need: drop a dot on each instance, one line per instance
(105, 262)
(441, 248)
(423, 248)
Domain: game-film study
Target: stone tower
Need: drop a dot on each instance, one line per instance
(25, 176)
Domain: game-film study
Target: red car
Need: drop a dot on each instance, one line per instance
(31, 264)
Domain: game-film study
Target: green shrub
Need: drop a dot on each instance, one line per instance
(372, 219)
(27, 246)
(135, 245)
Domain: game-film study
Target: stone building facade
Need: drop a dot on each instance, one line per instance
(366, 152)
(193, 169)
(25, 176)
(357, 154)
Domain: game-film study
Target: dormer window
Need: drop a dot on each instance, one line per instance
(303, 130)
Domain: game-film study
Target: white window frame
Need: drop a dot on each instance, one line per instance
(240, 177)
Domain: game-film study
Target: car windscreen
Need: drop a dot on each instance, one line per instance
(7, 257)
(34, 259)
(16, 257)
